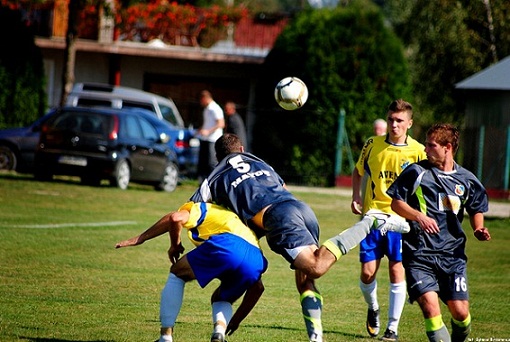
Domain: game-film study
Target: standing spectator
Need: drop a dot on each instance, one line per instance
(212, 128)
(432, 195)
(380, 127)
(234, 122)
(382, 159)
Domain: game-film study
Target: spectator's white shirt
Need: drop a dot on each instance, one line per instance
(211, 114)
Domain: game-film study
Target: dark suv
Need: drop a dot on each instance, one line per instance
(100, 143)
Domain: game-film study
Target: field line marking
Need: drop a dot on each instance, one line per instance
(67, 225)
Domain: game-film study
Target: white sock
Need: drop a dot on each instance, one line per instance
(396, 305)
(369, 292)
(221, 312)
(166, 338)
(171, 300)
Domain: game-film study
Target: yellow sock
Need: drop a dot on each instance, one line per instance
(434, 323)
(333, 248)
(463, 323)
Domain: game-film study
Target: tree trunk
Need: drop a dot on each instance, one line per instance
(70, 49)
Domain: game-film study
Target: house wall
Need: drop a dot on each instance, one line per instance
(485, 138)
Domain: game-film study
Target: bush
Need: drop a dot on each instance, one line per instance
(349, 59)
(22, 99)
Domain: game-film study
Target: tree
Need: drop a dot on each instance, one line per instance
(349, 59)
(22, 99)
(448, 41)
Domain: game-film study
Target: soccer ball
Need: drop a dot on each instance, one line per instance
(291, 93)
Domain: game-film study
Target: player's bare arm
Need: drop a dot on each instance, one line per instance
(477, 223)
(176, 220)
(357, 203)
(429, 225)
(155, 230)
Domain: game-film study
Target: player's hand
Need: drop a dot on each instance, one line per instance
(429, 225)
(482, 234)
(356, 207)
(134, 241)
(174, 253)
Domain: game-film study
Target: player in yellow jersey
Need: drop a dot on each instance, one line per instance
(226, 250)
(382, 159)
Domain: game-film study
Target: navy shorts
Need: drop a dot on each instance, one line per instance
(291, 226)
(235, 262)
(375, 246)
(445, 275)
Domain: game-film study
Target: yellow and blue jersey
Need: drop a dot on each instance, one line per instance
(383, 162)
(207, 219)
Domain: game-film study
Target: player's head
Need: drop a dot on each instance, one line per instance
(444, 134)
(400, 119)
(400, 105)
(226, 144)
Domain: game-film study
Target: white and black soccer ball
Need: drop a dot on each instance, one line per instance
(291, 93)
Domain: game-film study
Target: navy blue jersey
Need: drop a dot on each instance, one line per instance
(244, 184)
(442, 196)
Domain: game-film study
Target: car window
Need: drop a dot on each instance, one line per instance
(94, 124)
(92, 102)
(131, 104)
(66, 121)
(131, 128)
(148, 130)
(169, 115)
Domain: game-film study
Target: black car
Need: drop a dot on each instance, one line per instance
(100, 143)
(17, 145)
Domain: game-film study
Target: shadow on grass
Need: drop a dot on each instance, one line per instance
(36, 339)
(277, 327)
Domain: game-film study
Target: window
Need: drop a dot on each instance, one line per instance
(132, 128)
(148, 130)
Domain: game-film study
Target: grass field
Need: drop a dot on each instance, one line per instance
(61, 279)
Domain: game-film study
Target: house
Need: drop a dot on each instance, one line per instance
(229, 68)
(487, 126)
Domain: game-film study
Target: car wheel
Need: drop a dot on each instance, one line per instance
(170, 178)
(121, 175)
(8, 159)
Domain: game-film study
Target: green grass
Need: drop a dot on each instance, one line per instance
(61, 279)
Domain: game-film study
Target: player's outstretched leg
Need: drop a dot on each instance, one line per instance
(388, 222)
(342, 243)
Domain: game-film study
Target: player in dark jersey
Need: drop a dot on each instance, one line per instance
(432, 195)
(251, 188)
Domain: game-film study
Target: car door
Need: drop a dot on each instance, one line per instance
(156, 157)
(135, 146)
(144, 158)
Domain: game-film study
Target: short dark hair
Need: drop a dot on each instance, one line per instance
(443, 134)
(226, 144)
(400, 105)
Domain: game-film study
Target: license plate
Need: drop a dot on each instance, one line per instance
(69, 160)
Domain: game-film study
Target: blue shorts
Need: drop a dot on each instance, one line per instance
(375, 246)
(290, 226)
(445, 275)
(231, 259)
